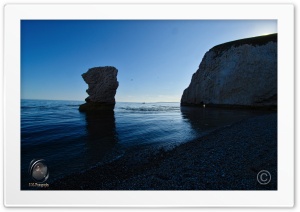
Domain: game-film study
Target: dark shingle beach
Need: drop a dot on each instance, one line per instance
(228, 158)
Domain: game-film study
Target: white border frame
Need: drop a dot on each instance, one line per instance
(283, 197)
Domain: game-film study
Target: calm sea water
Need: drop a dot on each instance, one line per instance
(71, 141)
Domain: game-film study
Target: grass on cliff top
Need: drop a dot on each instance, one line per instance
(254, 41)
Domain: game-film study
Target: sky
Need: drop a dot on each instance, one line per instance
(155, 58)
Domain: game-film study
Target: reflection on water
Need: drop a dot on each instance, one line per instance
(207, 119)
(101, 126)
(101, 134)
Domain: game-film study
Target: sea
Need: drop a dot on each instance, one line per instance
(71, 141)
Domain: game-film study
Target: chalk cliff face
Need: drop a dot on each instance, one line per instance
(237, 73)
(103, 84)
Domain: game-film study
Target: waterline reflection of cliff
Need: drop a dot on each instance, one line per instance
(207, 119)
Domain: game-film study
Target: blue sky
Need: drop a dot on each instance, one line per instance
(155, 59)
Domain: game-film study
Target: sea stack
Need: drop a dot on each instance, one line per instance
(102, 87)
(241, 73)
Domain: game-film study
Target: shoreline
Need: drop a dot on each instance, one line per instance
(229, 158)
(232, 107)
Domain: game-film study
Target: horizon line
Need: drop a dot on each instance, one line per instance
(84, 101)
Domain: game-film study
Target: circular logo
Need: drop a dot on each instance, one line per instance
(263, 177)
(38, 170)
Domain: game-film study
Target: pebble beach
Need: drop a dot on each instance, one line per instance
(229, 158)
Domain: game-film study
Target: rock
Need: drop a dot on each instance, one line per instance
(238, 73)
(103, 84)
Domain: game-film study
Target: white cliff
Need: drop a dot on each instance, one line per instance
(238, 73)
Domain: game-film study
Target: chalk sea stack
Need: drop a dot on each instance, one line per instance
(102, 86)
(238, 73)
